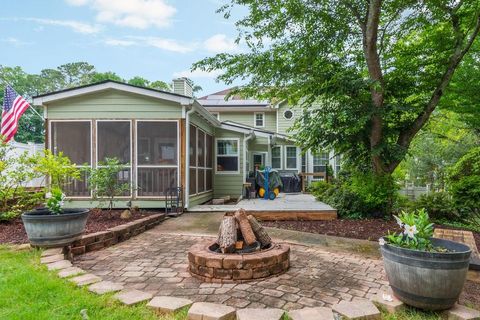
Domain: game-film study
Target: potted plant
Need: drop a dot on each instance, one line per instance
(54, 225)
(423, 271)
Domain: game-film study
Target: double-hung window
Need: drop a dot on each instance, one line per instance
(227, 156)
(114, 141)
(320, 162)
(291, 157)
(201, 161)
(73, 140)
(259, 119)
(157, 157)
(277, 157)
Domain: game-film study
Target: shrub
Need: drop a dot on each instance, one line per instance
(438, 205)
(105, 183)
(15, 173)
(464, 178)
(58, 168)
(358, 195)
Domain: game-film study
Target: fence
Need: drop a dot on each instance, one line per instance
(31, 148)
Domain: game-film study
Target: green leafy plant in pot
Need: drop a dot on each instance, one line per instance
(423, 271)
(54, 225)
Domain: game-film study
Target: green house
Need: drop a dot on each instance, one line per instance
(207, 146)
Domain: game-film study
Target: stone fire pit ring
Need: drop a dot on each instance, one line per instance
(210, 266)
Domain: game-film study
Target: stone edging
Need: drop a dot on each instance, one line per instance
(103, 239)
(214, 267)
(54, 259)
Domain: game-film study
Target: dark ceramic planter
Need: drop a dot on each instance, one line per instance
(427, 280)
(45, 229)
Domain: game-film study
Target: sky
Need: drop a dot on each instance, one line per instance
(154, 39)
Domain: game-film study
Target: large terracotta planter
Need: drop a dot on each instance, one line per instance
(45, 229)
(427, 280)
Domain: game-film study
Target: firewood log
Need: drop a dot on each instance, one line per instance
(260, 233)
(227, 234)
(245, 227)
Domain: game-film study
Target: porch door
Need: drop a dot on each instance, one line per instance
(259, 160)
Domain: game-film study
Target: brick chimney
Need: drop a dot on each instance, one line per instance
(183, 86)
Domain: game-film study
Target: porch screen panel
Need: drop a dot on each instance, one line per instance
(157, 157)
(201, 165)
(201, 149)
(73, 139)
(193, 146)
(113, 141)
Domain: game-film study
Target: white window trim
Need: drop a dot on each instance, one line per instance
(196, 167)
(230, 155)
(255, 119)
(293, 115)
(155, 166)
(50, 147)
(286, 158)
(281, 158)
(130, 166)
(216, 114)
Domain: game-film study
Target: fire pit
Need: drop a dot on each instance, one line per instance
(243, 252)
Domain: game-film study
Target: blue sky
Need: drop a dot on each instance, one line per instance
(155, 39)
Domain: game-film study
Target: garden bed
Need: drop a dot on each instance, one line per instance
(368, 229)
(98, 220)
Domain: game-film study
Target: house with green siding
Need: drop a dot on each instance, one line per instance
(207, 146)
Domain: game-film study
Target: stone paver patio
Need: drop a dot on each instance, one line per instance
(156, 262)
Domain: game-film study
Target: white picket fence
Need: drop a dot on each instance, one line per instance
(31, 148)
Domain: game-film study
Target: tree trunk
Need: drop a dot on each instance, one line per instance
(260, 233)
(245, 227)
(227, 234)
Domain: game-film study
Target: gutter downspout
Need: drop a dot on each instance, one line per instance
(187, 156)
(246, 138)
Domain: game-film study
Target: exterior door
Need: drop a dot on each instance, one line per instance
(258, 160)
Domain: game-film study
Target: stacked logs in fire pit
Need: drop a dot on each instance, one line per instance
(239, 233)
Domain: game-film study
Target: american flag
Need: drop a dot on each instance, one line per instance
(14, 105)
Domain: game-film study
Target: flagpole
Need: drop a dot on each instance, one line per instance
(5, 82)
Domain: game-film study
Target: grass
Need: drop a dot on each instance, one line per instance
(29, 291)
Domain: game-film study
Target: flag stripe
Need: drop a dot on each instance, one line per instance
(14, 105)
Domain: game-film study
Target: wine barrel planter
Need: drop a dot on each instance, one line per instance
(45, 229)
(427, 280)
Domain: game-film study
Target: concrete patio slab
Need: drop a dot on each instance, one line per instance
(210, 311)
(58, 265)
(105, 287)
(85, 279)
(164, 304)
(52, 252)
(319, 313)
(52, 258)
(131, 297)
(70, 272)
(259, 314)
(360, 309)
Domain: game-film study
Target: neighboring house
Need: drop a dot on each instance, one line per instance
(169, 139)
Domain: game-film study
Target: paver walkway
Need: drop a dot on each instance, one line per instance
(156, 262)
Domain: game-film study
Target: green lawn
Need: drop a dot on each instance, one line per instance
(29, 291)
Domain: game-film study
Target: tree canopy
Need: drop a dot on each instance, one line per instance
(369, 74)
(31, 126)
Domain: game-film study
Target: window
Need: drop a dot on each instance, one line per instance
(277, 157)
(259, 119)
(201, 161)
(304, 162)
(338, 160)
(288, 114)
(320, 162)
(157, 157)
(73, 139)
(291, 157)
(114, 141)
(227, 155)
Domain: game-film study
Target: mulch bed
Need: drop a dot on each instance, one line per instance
(368, 229)
(98, 220)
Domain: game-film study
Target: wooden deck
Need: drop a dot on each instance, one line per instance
(285, 207)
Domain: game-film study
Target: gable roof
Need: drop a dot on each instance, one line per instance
(111, 84)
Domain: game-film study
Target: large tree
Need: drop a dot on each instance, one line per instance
(369, 73)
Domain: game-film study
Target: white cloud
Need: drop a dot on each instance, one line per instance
(156, 42)
(76, 26)
(120, 43)
(139, 14)
(220, 43)
(197, 74)
(14, 41)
